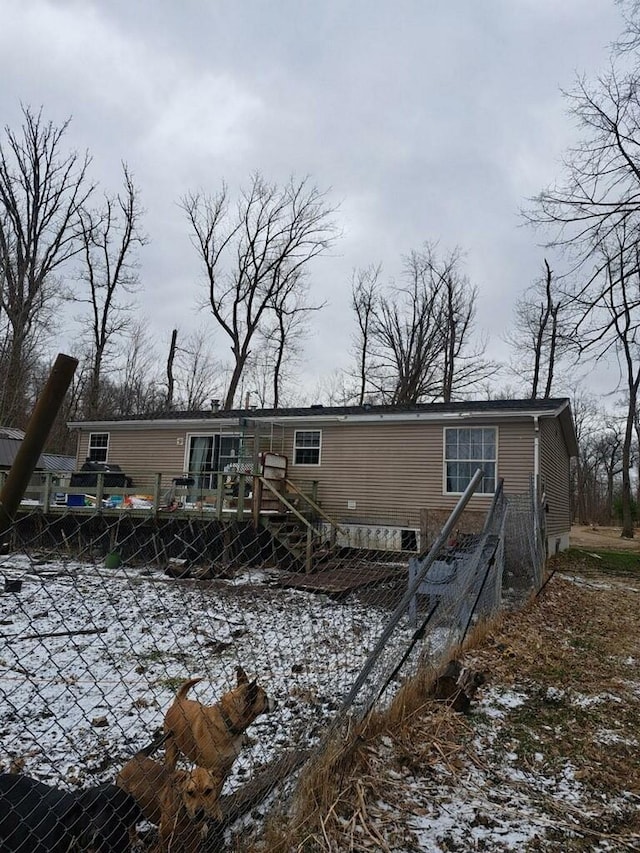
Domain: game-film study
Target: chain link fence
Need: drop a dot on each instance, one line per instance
(105, 614)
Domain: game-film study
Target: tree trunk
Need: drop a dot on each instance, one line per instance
(170, 360)
(627, 515)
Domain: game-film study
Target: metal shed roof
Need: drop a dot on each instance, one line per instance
(9, 448)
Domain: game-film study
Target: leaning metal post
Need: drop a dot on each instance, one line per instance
(412, 589)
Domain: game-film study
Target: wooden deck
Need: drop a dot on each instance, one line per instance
(340, 580)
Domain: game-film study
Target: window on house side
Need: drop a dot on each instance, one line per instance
(306, 447)
(465, 450)
(98, 446)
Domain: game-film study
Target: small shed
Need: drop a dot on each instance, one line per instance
(59, 465)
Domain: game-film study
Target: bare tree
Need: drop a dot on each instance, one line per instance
(601, 190)
(409, 339)
(636, 426)
(587, 420)
(42, 189)
(609, 323)
(137, 390)
(608, 449)
(336, 389)
(620, 329)
(291, 312)
(253, 254)
(415, 343)
(629, 40)
(538, 337)
(170, 374)
(197, 374)
(462, 366)
(595, 214)
(109, 239)
(365, 294)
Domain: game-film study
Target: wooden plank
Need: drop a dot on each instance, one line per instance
(341, 580)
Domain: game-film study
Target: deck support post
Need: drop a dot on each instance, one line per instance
(308, 560)
(157, 485)
(46, 497)
(256, 499)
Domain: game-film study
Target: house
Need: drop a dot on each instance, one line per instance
(387, 471)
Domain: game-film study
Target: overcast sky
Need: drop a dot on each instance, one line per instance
(426, 119)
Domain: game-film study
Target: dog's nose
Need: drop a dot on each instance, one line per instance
(200, 815)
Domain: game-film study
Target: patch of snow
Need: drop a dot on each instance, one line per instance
(555, 694)
(588, 701)
(610, 736)
(496, 702)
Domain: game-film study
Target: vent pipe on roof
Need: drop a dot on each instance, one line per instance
(215, 405)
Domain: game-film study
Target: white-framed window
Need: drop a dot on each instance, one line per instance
(465, 450)
(306, 446)
(98, 446)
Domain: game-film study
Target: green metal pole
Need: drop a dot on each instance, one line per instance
(35, 438)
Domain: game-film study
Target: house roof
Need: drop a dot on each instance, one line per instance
(56, 462)
(9, 448)
(11, 432)
(466, 410)
(492, 406)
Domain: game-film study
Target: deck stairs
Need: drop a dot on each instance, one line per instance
(303, 535)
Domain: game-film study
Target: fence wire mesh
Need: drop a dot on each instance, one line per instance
(105, 615)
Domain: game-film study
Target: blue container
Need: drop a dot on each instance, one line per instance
(75, 500)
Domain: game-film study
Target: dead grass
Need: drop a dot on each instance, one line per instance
(571, 655)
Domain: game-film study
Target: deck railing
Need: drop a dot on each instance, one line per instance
(219, 494)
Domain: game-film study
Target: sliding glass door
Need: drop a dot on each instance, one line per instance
(209, 454)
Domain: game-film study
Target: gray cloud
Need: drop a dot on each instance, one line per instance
(428, 121)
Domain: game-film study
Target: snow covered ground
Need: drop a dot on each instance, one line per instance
(493, 803)
(92, 657)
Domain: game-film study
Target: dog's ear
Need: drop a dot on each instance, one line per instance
(241, 675)
(252, 692)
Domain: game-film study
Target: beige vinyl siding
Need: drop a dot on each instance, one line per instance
(392, 470)
(142, 452)
(516, 456)
(554, 471)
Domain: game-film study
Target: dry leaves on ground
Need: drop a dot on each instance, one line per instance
(547, 759)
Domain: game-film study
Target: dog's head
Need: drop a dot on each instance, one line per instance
(199, 791)
(250, 700)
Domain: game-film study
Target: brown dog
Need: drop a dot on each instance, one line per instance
(179, 802)
(211, 736)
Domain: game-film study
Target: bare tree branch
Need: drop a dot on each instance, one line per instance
(253, 256)
(41, 191)
(109, 240)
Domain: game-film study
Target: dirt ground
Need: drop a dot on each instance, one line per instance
(600, 538)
